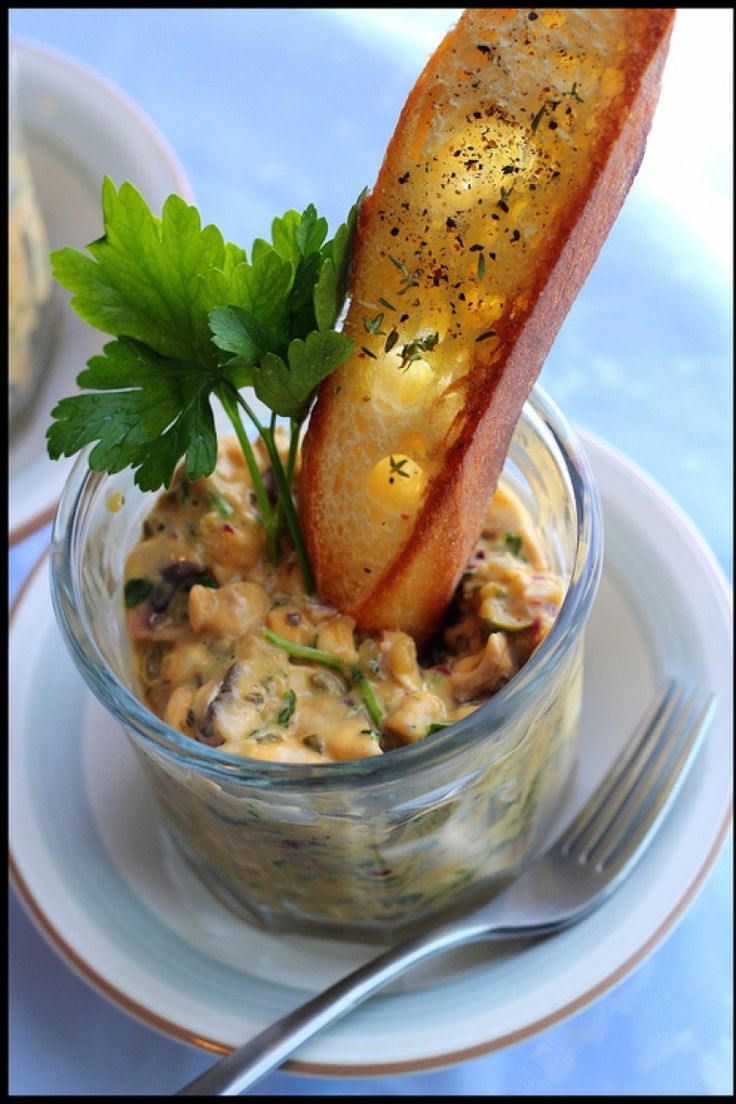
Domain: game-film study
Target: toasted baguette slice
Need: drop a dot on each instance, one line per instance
(510, 161)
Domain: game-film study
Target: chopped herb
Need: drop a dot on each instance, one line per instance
(437, 726)
(385, 303)
(538, 117)
(409, 280)
(391, 340)
(413, 350)
(486, 335)
(514, 543)
(287, 709)
(397, 467)
(574, 93)
(136, 591)
(373, 325)
(481, 266)
(368, 352)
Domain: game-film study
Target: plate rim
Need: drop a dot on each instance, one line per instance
(179, 183)
(407, 1066)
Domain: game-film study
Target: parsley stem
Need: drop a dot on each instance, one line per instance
(293, 449)
(285, 498)
(291, 516)
(279, 519)
(267, 516)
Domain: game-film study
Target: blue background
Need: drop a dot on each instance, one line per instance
(271, 109)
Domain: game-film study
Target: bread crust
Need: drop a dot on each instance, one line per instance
(418, 575)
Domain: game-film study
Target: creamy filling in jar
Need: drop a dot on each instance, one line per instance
(231, 652)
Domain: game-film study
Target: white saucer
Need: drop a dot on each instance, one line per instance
(78, 127)
(90, 863)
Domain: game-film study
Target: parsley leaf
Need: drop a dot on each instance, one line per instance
(238, 331)
(329, 291)
(287, 387)
(148, 412)
(143, 278)
(263, 288)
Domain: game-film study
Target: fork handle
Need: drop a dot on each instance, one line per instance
(243, 1067)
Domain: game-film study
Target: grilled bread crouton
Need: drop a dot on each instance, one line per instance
(510, 161)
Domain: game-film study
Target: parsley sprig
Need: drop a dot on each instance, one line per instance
(193, 318)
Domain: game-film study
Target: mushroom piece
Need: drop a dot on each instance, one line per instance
(414, 715)
(232, 710)
(232, 609)
(400, 659)
(481, 674)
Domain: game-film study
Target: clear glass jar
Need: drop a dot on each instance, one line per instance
(372, 848)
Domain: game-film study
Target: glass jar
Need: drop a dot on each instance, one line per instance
(373, 848)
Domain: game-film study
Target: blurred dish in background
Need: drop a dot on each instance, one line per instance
(31, 298)
(76, 127)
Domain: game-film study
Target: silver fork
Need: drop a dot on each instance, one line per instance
(586, 864)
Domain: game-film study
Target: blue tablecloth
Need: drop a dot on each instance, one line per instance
(269, 109)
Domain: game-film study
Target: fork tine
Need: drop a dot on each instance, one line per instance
(584, 830)
(652, 741)
(653, 793)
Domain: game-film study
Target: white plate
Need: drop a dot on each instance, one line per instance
(78, 127)
(91, 865)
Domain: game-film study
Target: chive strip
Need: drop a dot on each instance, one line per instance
(316, 655)
(370, 701)
(303, 651)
